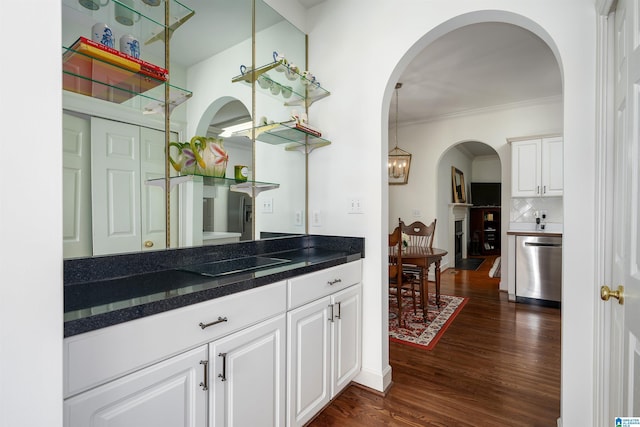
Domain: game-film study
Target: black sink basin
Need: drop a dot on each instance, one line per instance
(237, 265)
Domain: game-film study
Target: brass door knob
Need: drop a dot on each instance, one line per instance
(606, 293)
(148, 244)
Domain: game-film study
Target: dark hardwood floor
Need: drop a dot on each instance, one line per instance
(498, 364)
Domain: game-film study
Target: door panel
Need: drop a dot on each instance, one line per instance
(308, 354)
(167, 394)
(76, 188)
(115, 182)
(252, 363)
(346, 351)
(152, 202)
(624, 375)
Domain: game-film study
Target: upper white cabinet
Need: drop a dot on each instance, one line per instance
(536, 167)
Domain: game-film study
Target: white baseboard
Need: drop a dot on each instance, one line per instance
(375, 380)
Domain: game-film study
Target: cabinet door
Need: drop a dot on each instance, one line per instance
(247, 376)
(347, 331)
(167, 394)
(525, 168)
(308, 358)
(552, 176)
(115, 187)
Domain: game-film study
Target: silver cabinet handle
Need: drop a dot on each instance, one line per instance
(333, 282)
(215, 322)
(223, 375)
(331, 317)
(338, 315)
(205, 383)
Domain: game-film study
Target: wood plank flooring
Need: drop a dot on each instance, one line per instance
(498, 364)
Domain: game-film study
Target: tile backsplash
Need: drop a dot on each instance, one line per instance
(523, 209)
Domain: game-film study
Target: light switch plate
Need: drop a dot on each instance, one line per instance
(316, 219)
(355, 206)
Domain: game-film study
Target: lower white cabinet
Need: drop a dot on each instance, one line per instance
(247, 383)
(167, 394)
(256, 365)
(324, 346)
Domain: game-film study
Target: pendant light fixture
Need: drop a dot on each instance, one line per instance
(399, 160)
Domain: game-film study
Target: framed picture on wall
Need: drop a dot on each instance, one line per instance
(457, 182)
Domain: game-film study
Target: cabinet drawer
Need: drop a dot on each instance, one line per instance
(96, 357)
(316, 285)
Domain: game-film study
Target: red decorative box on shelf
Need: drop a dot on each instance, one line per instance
(99, 71)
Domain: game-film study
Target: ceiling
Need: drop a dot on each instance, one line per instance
(486, 65)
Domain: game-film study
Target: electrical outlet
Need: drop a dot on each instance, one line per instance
(417, 213)
(316, 219)
(355, 205)
(267, 205)
(297, 219)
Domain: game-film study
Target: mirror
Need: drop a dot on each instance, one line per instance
(204, 58)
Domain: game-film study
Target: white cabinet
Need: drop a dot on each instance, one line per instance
(536, 167)
(247, 380)
(161, 369)
(239, 360)
(168, 394)
(323, 340)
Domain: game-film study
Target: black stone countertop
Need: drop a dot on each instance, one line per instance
(105, 291)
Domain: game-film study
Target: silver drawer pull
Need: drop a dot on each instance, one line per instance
(333, 282)
(206, 325)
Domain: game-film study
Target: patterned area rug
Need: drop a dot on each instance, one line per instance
(414, 331)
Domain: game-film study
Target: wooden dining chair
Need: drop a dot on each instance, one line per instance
(395, 268)
(420, 235)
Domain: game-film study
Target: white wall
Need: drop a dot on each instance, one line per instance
(381, 38)
(486, 169)
(354, 117)
(31, 217)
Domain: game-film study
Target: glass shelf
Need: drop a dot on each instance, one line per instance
(90, 76)
(148, 20)
(252, 188)
(286, 133)
(294, 90)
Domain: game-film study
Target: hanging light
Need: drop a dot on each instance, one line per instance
(399, 160)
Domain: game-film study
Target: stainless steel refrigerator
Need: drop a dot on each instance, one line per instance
(240, 214)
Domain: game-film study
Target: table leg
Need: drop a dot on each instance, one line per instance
(424, 291)
(437, 273)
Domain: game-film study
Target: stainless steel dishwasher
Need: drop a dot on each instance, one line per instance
(539, 269)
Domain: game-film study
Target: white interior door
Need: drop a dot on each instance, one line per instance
(152, 202)
(76, 186)
(115, 187)
(624, 363)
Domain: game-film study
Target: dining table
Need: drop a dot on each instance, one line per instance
(422, 257)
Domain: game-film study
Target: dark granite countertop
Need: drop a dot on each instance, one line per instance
(105, 291)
